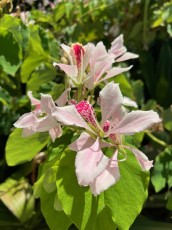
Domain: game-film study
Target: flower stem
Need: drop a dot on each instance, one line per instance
(155, 139)
(79, 93)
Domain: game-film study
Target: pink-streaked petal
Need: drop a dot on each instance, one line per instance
(89, 48)
(117, 47)
(108, 177)
(89, 83)
(26, 120)
(118, 42)
(99, 51)
(33, 100)
(141, 158)
(136, 121)
(84, 141)
(44, 124)
(68, 115)
(90, 163)
(102, 66)
(47, 103)
(128, 102)
(67, 50)
(70, 70)
(111, 103)
(127, 56)
(55, 132)
(27, 132)
(62, 100)
(115, 71)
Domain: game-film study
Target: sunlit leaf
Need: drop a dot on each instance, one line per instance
(17, 196)
(162, 172)
(55, 219)
(21, 149)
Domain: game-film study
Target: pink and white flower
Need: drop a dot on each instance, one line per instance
(78, 58)
(93, 168)
(41, 119)
(89, 65)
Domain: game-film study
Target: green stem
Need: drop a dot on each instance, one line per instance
(156, 139)
(79, 93)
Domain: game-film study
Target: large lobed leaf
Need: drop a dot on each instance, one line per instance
(115, 208)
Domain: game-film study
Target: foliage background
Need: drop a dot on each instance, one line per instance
(30, 36)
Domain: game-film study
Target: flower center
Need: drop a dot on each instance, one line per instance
(113, 137)
(78, 53)
(86, 110)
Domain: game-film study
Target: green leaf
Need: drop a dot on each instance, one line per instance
(123, 201)
(125, 86)
(45, 172)
(78, 203)
(41, 76)
(138, 91)
(49, 181)
(167, 119)
(55, 219)
(10, 52)
(126, 198)
(59, 12)
(21, 149)
(36, 54)
(162, 173)
(30, 64)
(18, 198)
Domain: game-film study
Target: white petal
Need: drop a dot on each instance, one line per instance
(68, 115)
(99, 51)
(128, 102)
(108, 177)
(44, 124)
(141, 158)
(136, 121)
(70, 70)
(89, 48)
(61, 101)
(89, 163)
(33, 100)
(111, 103)
(115, 71)
(55, 132)
(83, 142)
(101, 67)
(127, 56)
(47, 103)
(26, 120)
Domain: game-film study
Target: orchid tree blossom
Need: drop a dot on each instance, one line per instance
(120, 51)
(78, 57)
(93, 168)
(89, 65)
(41, 119)
(101, 66)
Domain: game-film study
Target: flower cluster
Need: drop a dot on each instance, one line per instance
(89, 65)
